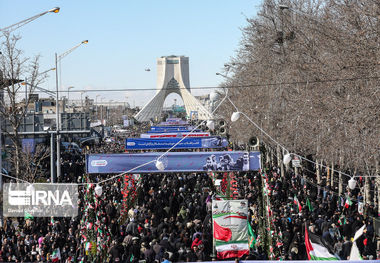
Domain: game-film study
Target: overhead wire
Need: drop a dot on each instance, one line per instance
(164, 153)
(221, 87)
(283, 147)
(236, 108)
(324, 187)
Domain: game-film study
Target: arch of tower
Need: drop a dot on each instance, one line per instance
(172, 76)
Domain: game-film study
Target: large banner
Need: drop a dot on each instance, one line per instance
(174, 131)
(28, 145)
(173, 162)
(230, 225)
(167, 143)
(170, 128)
(174, 134)
(174, 121)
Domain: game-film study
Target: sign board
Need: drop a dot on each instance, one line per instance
(179, 143)
(174, 135)
(229, 218)
(296, 162)
(173, 162)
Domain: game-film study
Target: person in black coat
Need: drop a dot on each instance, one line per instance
(346, 250)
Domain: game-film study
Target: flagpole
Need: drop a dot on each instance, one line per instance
(213, 239)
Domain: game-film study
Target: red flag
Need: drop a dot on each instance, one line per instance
(222, 233)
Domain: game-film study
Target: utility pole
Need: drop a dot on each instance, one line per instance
(52, 166)
(58, 148)
(1, 136)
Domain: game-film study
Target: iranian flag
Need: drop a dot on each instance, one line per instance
(56, 255)
(88, 246)
(218, 197)
(348, 202)
(230, 225)
(297, 203)
(315, 249)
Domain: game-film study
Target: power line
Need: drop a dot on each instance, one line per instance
(223, 87)
(238, 86)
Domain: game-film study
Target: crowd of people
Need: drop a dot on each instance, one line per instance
(169, 218)
(298, 203)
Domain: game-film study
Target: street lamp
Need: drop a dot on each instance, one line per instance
(283, 7)
(81, 100)
(68, 95)
(59, 58)
(96, 106)
(28, 20)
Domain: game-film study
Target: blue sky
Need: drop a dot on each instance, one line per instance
(126, 37)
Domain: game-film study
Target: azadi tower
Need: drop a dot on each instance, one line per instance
(173, 76)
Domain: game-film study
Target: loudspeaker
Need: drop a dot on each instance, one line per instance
(253, 141)
(222, 130)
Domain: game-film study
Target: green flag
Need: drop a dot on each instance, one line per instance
(308, 203)
(251, 236)
(28, 216)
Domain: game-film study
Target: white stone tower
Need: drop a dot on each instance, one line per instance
(172, 76)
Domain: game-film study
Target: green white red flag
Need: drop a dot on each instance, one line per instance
(56, 255)
(230, 225)
(297, 203)
(348, 202)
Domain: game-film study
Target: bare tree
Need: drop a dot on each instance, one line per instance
(16, 69)
(308, 73)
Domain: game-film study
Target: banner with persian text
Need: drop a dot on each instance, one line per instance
(167, 143)
(170, 128)
(174, 134)
(173, 162)
(230, 228)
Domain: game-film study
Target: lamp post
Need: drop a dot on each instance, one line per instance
(81, 100)
(108, 110)
(68, 95)
(28, 20)
(9, 29)
(96, 106)
(285, 7)
(101, 114)
(58, 59)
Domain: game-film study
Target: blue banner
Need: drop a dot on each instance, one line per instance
(172, 131)
(161, 129)
(28, 145)
(173, 162)
(167, 143)
(173, 121)
(175, 134)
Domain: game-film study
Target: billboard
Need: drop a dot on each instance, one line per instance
(173, 162)
(172, 131)
(167, 143)
(229, 220)
(174, 121)
(170, 128)
(174, 135)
